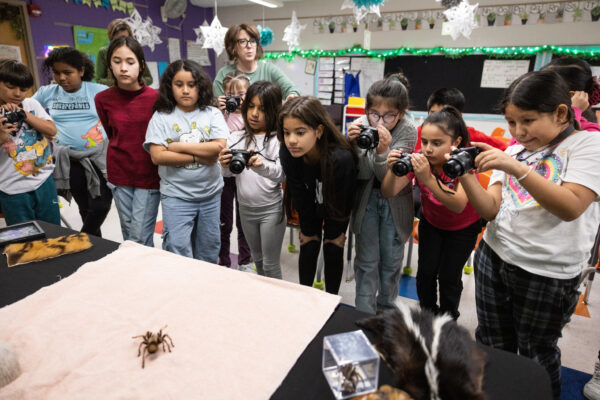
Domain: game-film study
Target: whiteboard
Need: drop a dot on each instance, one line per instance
(500, 73)
(371, 71)
(294, 70)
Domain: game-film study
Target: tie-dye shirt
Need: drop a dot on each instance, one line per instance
(525, 234)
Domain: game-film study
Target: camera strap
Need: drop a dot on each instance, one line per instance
(265, 142)
(550, 147)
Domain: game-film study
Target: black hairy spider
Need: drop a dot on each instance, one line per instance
(151, 342)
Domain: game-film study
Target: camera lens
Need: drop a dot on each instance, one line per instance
(237, 166)
(402, 167)
(364, 141)
(453, 168)
(231, 104)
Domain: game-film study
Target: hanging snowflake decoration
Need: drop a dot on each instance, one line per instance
(199, 35)
(368, 3)
(360, 12)
(462, 19)
(449, 3)
(143, 31)
(214, 36)
(266, 35)
(291, 33)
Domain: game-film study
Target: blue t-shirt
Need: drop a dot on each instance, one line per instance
(74, 114)
(192, 181)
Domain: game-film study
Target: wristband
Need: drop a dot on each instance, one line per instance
(525, 175)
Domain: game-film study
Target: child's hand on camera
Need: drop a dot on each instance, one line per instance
(255, 160)
(421, 167)
(221, 103)
(385, 138)
(354, 130)
(225, 157)
(393, 157)
(493, 158)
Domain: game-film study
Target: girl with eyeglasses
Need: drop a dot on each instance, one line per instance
(381, 225)
(242, 43)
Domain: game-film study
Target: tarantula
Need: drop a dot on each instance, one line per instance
(152, 340)
(351, 378)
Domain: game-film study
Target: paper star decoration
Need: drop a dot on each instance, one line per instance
(462, 19)
(143, 31)
(361, 12)
(291, 33)
(214, 36)
(198, 31)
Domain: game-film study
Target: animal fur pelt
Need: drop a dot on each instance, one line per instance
(38, 250)
(385, 392)
(9, 365)
(459, 363)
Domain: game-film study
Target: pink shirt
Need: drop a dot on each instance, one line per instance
(235, 122)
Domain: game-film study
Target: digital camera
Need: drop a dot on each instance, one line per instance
(232, 103)
(15, 117)
(403, 166)
(461, 161)
(239, 160)
(368, 138)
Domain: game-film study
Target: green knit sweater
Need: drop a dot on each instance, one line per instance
(265, 71)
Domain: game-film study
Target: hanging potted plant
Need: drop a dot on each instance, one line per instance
(331, 26)
(524, 17)
(417, 23)
(491, 18)
(404, 23)
(559, 15)
(392, 23)
(507, 19)
(354, 26)
(321, 27)
(343, 26)
(541, 18)
(578, 14)
(595, 12)
(431, 22)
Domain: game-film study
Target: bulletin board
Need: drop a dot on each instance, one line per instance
(295, 70)
(90, 40)
(428, 73)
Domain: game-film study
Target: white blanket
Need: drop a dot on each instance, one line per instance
(236, 335)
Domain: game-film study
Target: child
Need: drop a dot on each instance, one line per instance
(320, 167)
(542, 204)
(259, 185)
(27, 189)
(235, 84)
(70, 102)
(453, 97)
(449, 225)
(125, 110)
(184, 138)
(381, 226)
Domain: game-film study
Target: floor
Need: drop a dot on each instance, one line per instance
(579, 345)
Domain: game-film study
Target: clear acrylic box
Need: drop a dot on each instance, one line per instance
(350, 364)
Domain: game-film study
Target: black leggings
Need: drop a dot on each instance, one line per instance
(332, 254)
(93, 211)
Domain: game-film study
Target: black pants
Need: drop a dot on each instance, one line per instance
(333, 255)
(442, 256)
(93, 211)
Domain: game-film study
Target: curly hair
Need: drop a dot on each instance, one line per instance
(72, 57)
(231, 40)
(166, 102)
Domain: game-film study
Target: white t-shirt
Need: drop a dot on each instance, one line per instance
(26, 159)
(258, 187)
(527, 235)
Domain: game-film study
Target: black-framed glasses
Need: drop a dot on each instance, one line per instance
(388, 118)
(247, 42)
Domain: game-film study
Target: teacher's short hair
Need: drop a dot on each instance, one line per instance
(231, 40)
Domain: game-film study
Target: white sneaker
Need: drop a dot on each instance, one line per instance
(247, 268)
(591, 390)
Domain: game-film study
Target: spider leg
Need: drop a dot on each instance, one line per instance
(144, 356)
(167, 336)
(140, 348)
(168, 347)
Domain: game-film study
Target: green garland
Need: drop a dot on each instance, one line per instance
(452, 52)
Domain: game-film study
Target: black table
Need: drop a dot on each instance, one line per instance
(507, 376)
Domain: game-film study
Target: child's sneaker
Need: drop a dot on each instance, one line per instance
(591, 390)
(247, 268)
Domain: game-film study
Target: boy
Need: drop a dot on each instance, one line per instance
(454, 97)
(27, 189)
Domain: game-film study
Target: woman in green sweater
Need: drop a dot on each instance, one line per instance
(242, 43)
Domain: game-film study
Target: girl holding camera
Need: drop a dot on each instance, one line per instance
(381, 225)
(449, 225)
(252, 156)
(184, 138)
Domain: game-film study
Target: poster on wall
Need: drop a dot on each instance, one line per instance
(499, 74)
(197, 53)
(89, 40)
(10, 52)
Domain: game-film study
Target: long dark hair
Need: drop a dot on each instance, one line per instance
(71, 57)
(270, 96)
(542, 91)
(135, 47)
(166, 101)
(311, 112)
(448, 119)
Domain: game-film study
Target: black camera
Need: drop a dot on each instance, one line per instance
(403, 166)
(232, 103)
(239, 160)
(461, 161)
(15, 117)
(368, 138)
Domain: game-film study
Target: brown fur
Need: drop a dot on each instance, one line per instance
(460, 362)
(385, 392)
(38, 250)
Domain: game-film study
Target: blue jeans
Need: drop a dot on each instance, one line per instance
(378, 260)
(192, 228)
(137, 209)
(41, 203)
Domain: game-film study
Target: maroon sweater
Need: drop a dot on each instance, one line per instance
(125, 116)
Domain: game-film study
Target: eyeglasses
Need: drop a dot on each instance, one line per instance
(246, 42)
(387, 118)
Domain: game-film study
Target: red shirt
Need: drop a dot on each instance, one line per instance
(474, 136)
(125, 116)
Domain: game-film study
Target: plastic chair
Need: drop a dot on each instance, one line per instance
(498, 133)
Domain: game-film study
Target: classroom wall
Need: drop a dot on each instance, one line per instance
(55, 26)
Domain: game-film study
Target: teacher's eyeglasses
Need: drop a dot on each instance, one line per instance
(387, 118)
(246, 42)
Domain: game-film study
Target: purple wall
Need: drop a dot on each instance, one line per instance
(45, 30)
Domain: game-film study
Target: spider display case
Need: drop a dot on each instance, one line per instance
(350, 364)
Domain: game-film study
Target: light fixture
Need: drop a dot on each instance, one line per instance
(268, 3)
